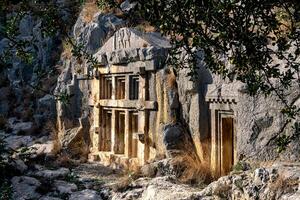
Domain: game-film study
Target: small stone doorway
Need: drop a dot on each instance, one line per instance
(223, 136)
(227, 145)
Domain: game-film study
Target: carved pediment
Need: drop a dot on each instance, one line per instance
(129, 45)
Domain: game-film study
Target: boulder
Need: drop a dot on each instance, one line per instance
(127, 6)
(64, 187)
(177, 141)
(19, 165)
(25, 127)
(24, 187)
(93, 34)
(15, 142)
(49, 198)
(42, 149)
(86, 195)
(53, 174)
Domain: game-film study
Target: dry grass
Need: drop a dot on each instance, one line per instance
(145, 27)
(283, 185)
(192, 171)
(171, 80)
(67, 50)
(64, 160)
(122, 185)
(51, 127)
(89, 10)
(125, 181)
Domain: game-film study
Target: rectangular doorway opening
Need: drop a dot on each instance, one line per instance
(120, 132)
(227, 145)
(105, 134)
(133, 137)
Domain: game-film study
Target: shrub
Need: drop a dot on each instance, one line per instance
(5, 191)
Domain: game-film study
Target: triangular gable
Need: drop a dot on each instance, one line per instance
(128, 38)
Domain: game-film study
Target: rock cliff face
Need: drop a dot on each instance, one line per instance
(17, 82)
(74, 118)
(207, 125)
(259, 121)
(195, 108)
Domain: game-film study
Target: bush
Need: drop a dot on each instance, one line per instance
(5, 157)
(5, 191)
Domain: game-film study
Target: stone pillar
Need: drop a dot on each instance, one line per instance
(214, 143)
(114, 89)
(96, 127)
(113, 130)
(127, 87)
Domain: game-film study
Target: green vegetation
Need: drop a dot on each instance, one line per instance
(5, 157)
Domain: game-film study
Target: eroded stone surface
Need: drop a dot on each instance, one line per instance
(53, 174)
(64, 187)
(25, 188)
(85, 194)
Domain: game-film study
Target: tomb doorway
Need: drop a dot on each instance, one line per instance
(227, 145)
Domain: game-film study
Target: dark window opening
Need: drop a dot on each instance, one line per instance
(120, 87)
(106, 87)
(134, 88)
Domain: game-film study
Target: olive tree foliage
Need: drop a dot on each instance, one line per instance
(256, 42)
(241, 39)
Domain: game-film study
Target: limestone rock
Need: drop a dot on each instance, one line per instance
(262, 183)
(19, 165)
(24, 187)
(73, 119)
(162, 188)
(64, 187)
(25, 127)
(15, 142)
(177, 141)
(93, 34)
(85, 194)
(53, 174)
(49, 198)
(127, 6)
(41, 149)
(47, 107)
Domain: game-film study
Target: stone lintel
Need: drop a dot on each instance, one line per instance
(135, 67)
(140, 105)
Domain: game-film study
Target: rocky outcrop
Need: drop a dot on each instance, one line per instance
(74, 117)
(85, 194)
(259, 120)
(281, 181)
(25, 188)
